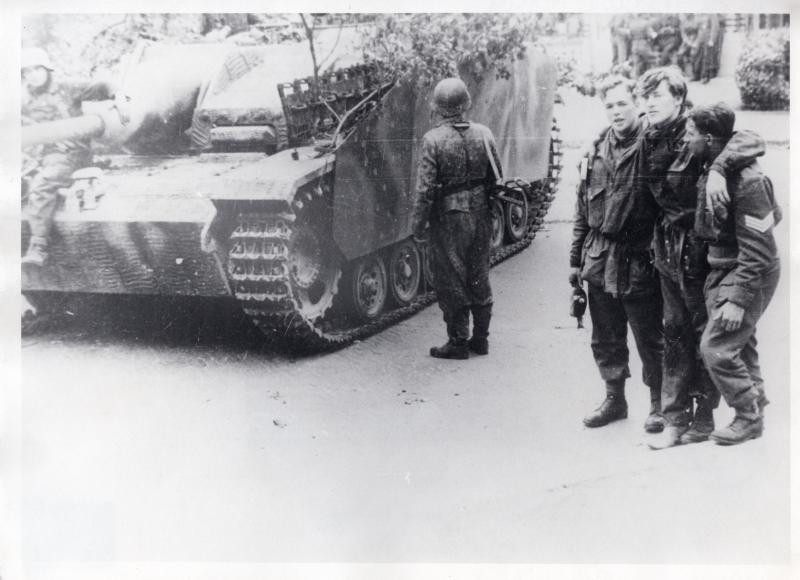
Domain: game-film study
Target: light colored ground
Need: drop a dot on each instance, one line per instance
(137, 450)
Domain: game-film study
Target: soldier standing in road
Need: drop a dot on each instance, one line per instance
(744, 273)
(454, 176)
(670, 172)
(642, 34)
(611, 252)
(45, 100)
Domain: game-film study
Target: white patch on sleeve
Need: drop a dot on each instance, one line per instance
(760, 225)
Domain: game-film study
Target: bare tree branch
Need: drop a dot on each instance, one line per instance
(310, 35)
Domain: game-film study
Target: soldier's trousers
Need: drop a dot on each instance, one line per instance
(685, 374)
(460, 260)
(54, 172)
(731, 357)
(610, 319)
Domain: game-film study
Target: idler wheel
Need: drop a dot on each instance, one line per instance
(405, 271)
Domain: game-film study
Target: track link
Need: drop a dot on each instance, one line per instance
(260, 276)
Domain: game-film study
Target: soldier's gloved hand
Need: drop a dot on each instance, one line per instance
(730, 316)
(575, 277)
(716, 190)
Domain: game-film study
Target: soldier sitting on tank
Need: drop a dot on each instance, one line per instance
(453, 182)
(43, 99)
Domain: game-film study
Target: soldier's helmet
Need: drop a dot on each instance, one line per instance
(451, 97)
(32, 57)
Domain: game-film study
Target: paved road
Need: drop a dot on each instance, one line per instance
(187, 444)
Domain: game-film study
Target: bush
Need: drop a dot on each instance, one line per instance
(762, 73)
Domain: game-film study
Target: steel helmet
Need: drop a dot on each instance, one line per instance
(32, 57)
(451, 97)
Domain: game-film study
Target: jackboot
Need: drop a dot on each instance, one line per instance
(655, 420)
(457, 333)
(747, 424)
(613, 408)
(702, 424)
(453, 348)
(37, 254)
(481, 317)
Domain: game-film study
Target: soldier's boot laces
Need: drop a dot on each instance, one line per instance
(613, 408)
(36, 254)
(702, 424)
(655, 420)
(747, 424)
(481, 317)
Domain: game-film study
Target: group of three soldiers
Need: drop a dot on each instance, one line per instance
(691, 279)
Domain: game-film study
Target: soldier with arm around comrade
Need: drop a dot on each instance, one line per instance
(453, 181)
(611, 251)
(744, 272)
(670, 172)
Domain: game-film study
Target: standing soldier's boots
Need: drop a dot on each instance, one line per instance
(613, 408)
(702, 424)
(481, 316)
(457, 331)
(747, 424)
(37, 252)
(655, 420)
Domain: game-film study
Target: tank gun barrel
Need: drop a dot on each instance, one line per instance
(82, 127)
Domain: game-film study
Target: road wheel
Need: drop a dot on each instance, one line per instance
(405, 271)
(516, 216)
(498, 219)
(368, 288)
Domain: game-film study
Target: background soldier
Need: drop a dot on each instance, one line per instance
(744, 273)
(453, 179)
(671, 172)
(611, 251)
(642, 34)
(46, 100)
(708, 45)
(668, 39)
(620, 39)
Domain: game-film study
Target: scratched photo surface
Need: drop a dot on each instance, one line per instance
(287, 298)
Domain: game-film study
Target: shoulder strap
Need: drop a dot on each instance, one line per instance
(496, 172)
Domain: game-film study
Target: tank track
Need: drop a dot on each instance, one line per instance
(260, 277)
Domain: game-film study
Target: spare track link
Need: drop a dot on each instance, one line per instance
(260, 277)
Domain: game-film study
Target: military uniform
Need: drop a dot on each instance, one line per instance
(744, 270)
(56, 161)
(668, 39)
(671, 173)
(454, 173)
(706, 62)
(641, 36)
(620, 39)
(611, 239)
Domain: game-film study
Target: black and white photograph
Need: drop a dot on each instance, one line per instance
(468, 291)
